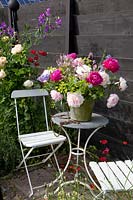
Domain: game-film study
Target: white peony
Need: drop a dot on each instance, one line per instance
(105, 77)
(112, 100)
(2, 74)
(3, 61)
(74, 99)
(78, 62)
(28, 84)
(17, 49)
(122, 84)
(83, 71)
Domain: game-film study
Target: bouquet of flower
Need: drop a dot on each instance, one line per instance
(76, 79)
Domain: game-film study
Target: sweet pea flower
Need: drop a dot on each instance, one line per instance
(122, 84)
(111, 64)
(28, 84)
(17, 49)
(112, 100)
(56, 96)
(2, 74)
(3, 61)
(44, 77)
(56, 75)
(74, 99)
(105, 77)
(83, 71)
(94, 78)
(72, 55)
(48, 12)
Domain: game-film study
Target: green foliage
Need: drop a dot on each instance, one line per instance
(16, 70)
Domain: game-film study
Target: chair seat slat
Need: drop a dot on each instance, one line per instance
(41, 139)
(118, 170)
(105, 185)
(128, 174)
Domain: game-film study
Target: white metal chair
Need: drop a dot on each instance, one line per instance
(110, 176)
(37, 139)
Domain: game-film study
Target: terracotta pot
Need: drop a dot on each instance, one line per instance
(84, 112)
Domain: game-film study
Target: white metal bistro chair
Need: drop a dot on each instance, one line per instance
(109, 177)
(37, 139)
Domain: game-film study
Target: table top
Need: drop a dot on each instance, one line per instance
(63, 119)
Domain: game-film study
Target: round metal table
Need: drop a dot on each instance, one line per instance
(63, 120)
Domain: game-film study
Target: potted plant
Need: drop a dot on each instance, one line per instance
(81, 81)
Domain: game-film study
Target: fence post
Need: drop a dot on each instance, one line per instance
(13, 6)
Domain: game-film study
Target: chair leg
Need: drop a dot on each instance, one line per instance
(53, 152)
(25, 157)
(27, 172)
(56, 159)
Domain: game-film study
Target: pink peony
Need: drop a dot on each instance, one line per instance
(72, 55)
(94, 78)
(56, 75)
(56, 96)
(112, 100)
(111, 64)
(74, 99)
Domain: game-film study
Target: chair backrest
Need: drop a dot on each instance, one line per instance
(16, 94)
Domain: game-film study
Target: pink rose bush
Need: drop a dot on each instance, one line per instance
(75, 79)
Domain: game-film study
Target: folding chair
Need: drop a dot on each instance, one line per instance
(111, 177)
(36, 140)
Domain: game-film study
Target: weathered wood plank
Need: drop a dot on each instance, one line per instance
(52, 44)
(123, 111)
(104, 7)
(3, 15)
(117, 24)
(117, 45)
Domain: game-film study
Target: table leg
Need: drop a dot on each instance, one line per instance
(78, 146)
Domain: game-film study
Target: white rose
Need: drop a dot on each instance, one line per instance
(2, 74)
(105, 78)
(3, 61)
(122, 84)
(17, 49)
(28, 84)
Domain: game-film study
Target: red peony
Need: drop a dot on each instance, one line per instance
(111, 64)
(94, 78)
